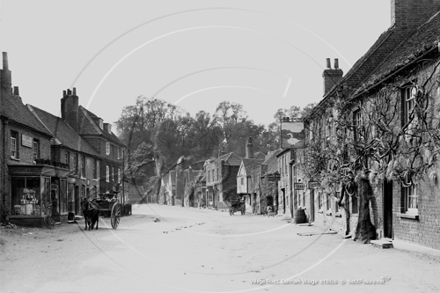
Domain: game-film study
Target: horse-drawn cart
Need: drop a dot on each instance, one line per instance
(111, 208)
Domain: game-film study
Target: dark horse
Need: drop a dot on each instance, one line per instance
(90, 213)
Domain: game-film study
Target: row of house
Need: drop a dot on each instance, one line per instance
(50, 161)
(404, 58)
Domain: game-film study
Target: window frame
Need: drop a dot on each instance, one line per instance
(36, 149)
(107, 173)
(107, 148)
(14, 141)
(409, 196)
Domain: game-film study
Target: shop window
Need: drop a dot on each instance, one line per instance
(36, 149)
(14, 144)
(27, 198)
(107, 173)
(63, 196)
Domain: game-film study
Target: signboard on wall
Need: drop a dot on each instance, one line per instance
(299, 186)
(292, 134)
(26, 141)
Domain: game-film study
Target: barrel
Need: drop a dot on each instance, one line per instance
(300, 216)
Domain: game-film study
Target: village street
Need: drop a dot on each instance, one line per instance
(174, 249)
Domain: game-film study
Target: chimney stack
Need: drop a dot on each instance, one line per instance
(249, 149)
(331, 75)
(5, 73)
(70, 108)
(407, 15)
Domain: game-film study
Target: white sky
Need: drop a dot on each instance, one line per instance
(265, 55)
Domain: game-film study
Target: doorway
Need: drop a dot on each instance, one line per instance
(388, 209)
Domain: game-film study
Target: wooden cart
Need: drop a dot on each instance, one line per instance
(111, 208)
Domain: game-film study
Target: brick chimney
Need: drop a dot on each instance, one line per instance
(409, 14)
(249, 149)
(331, 75)
(108, 128)
(5, 73)
(70, 108)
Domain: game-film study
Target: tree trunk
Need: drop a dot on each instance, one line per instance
(365, 230)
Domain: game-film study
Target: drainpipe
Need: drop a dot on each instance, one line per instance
(3, 165)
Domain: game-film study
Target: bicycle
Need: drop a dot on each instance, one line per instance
(48, 220)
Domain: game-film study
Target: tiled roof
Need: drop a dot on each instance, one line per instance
(94, 129)
(422, 40)
(63, 132)
(250, 164)
(231, 159)
(259, 155)
(14, 109)
(272, 162)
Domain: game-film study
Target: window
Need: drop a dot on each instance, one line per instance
(357, 121)
(107, 148)
(408, 101)
(83, 166)
(36, 149)
(14, 144)
(114, 174)
(67, 158)
(107, 173)
(117, 152)
(119, 175)
(75, 163)
(410, 198)
(94, 169)
(242, 181)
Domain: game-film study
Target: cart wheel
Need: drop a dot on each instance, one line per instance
(116, 215)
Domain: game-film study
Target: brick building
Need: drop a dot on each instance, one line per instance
(82, 159)
(407, 51)
(221, 180)
(100, 136)
(31, 181)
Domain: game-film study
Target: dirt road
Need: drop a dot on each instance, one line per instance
(175, 249)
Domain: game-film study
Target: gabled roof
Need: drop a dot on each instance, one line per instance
(230, 159)
(63, 132)
(272, 162)
(89, 127)
(422, 40)
(259, 155)
(250, 164)
(14, 109)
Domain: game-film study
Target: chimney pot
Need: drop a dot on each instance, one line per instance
(5, 61)
(74, 91)
(329, 66)
(336, 63)
(69, 92)
(16, 91)
(64, 93)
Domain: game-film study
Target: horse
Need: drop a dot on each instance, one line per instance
(90, 213)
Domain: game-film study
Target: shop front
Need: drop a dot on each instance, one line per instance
(36, 190)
